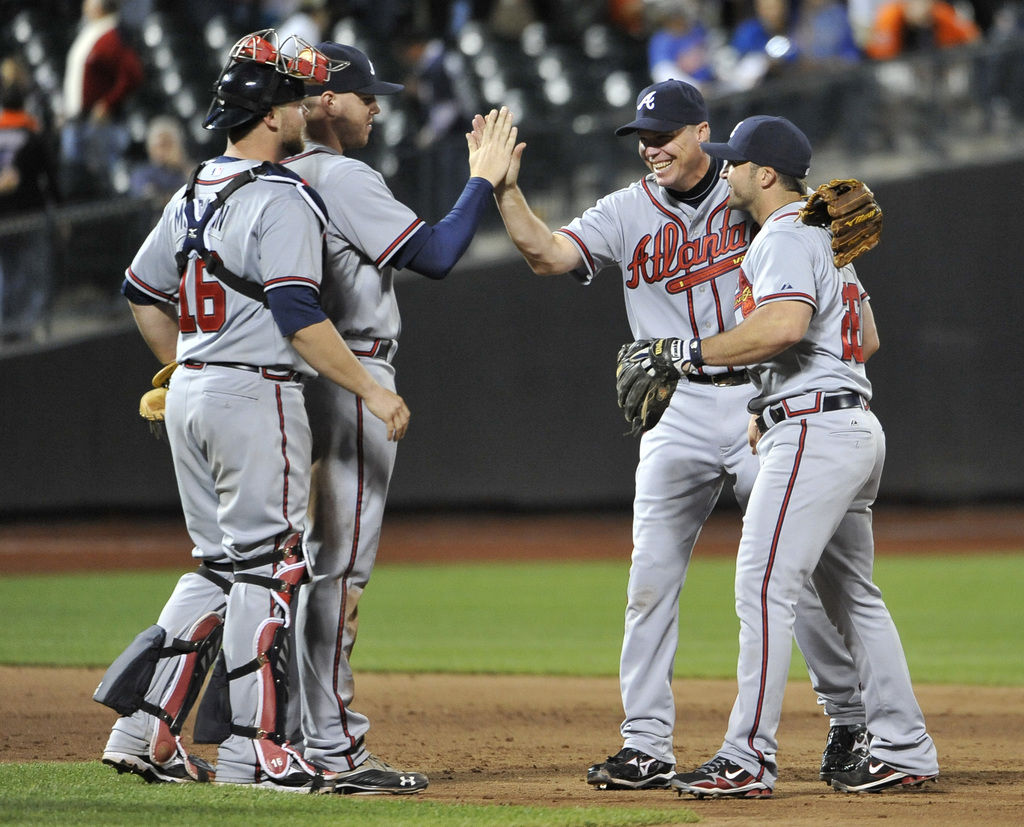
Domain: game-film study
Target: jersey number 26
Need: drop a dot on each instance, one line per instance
(853, 344)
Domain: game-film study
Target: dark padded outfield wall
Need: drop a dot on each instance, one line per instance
(510, 378)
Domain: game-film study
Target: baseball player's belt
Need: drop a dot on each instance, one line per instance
(275, 374)
(823, 402)
(720, 380)
(374, 348)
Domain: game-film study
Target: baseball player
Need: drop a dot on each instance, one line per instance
(227, 286)
(803, 328)
(678, 244)
(370, 235)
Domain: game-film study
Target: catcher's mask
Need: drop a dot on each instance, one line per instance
(262, 73)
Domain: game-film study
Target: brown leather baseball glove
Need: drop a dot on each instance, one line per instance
(848, 208)
(152, 404)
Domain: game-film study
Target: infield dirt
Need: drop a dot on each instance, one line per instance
(499, 740)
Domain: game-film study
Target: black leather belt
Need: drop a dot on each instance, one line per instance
(824, 402)
(720, 380)
(275, 374)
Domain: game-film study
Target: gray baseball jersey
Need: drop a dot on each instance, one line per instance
(353, 457)
(822, 361)
(679, 261)
(266, 231)
(809, 514)
(368, 226)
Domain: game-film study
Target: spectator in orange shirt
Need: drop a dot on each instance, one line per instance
(918, 25)
(28, 184)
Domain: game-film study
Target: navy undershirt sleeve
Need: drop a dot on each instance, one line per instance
(295, 307)
(433, 251)
(136, 296)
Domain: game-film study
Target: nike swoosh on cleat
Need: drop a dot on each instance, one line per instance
(873, 768)
(732, 776)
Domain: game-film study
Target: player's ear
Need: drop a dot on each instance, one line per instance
(703, 132)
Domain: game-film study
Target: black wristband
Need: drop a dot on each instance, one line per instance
(696, 357)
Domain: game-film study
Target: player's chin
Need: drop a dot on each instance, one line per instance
(664, 175)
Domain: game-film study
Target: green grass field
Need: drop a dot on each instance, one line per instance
(91, 794)
(959, 617)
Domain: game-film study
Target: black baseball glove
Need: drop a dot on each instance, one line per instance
(644, 387)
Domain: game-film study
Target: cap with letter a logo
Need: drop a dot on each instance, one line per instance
(767, 141)
(666, 107)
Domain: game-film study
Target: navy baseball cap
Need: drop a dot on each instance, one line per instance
(666, 107)
(768, 142)
(355, 73)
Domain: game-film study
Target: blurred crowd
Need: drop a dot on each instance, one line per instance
(72, 85)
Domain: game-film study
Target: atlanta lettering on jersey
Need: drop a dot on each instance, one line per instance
(668, 252)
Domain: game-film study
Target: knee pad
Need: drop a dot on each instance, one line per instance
(125, 683)
(288, 560)
(128, 680)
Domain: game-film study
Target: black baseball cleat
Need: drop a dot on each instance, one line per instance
(630, 769)
(376, 777)
(845, 747)
(869, 775)
(180, 769)
(720, 778)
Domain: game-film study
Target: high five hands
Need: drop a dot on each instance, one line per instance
(493, 151)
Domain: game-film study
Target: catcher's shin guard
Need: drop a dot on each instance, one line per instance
(200, 646)
(213, 715)
(270, 656)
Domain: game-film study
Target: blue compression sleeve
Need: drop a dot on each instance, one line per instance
(433, 251)
(294, 308)
(134, 295)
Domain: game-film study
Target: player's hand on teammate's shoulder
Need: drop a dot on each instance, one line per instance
(753, 434)
(390, 409)
(492, 146)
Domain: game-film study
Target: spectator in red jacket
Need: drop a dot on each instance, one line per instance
(917, 25)
(101, 72)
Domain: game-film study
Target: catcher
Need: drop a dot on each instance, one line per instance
(645, 373)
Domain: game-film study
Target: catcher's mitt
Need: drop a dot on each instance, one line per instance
(153, 403)
(848, 208)
(642, 397)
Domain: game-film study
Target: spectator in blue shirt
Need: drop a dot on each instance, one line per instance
(679, 46)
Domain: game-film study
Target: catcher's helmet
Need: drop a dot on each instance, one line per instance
(246, 91)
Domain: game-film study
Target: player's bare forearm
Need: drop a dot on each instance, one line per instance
(326, 352)
(766, 332)
(158, 324)
(547, 253)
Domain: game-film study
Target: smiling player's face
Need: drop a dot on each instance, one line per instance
(675, 158)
